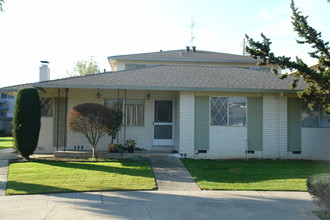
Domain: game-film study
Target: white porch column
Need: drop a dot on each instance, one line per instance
(275, 130)
(186, 123)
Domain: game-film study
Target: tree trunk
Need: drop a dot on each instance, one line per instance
(93, 151)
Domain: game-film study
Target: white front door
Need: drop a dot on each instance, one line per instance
(163, 123)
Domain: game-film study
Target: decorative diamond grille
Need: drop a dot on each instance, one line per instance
(219, 110)
(47, 105)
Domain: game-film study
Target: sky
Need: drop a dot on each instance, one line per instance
(63, 32)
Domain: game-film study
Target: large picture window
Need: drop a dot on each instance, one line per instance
(133, 110)
(228, 111)
(317, 118)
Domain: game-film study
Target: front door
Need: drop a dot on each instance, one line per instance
(163, 123)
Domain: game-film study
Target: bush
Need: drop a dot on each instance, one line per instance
(26, 123)
(92, 120)
(319, 187)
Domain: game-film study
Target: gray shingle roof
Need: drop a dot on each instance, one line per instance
(183, 55)
(179, 77)
(15, 88)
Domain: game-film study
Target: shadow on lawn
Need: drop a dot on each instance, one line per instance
(30, 188)
(21, 188)
(128, 169)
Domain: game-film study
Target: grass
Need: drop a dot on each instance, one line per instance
(6, 142)
(287, 175)
(54, 177)
(323, 215)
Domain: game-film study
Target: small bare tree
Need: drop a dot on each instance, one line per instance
(93, 120)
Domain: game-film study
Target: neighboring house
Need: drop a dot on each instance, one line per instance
(202, 107)
(6, 113)
(6, 105)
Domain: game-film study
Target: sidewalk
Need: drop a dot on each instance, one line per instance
(159, 205)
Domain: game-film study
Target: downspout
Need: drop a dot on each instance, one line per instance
(118, 110)
(278, 125)
(58, 118)
(65, 117)
(125, 122)
(263, 126)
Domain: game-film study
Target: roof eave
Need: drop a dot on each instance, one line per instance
(183, 60)
(4, 90)
(40, 85)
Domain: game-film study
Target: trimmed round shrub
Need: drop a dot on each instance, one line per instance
(319, 187)
(26, 122)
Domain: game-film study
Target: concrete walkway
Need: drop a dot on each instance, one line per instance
(171, 174)
(159, 205)
(5, 156)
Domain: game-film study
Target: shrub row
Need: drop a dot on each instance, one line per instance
(319, 187)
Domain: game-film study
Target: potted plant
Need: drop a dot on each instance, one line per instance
(118, 119)
(130, 144)
(119, 148)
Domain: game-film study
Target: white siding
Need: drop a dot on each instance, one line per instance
(315, 144)
(227, 142)
(142, 134)
(45, 142)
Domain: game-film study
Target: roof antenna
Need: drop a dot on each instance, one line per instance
(192, 32)
(244, 47)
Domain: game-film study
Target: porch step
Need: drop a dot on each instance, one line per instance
(169, 149)
(125, 155)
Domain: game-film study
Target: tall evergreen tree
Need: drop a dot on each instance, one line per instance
(1, 4)
(317, 79)
(26, 122)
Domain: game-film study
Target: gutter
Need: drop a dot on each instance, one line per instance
(40, 85)
(184, 60)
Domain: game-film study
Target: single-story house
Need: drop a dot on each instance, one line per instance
(201, 109)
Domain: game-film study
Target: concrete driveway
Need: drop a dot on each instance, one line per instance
(160, 205)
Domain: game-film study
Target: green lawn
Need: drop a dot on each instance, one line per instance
(288, 175)
(6, 142)
(51, 177)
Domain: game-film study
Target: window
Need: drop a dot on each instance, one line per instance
(219, 110)
(237, 111)
(47, 105)
(134, 66)
(3, 95)
(134, 110)
(317, 117)
(228, 111)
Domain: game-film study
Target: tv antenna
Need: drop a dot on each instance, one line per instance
(192, 32)
(244, 47)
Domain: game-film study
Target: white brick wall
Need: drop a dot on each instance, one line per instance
(177, 124)
(274, 126)
(186, 123)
